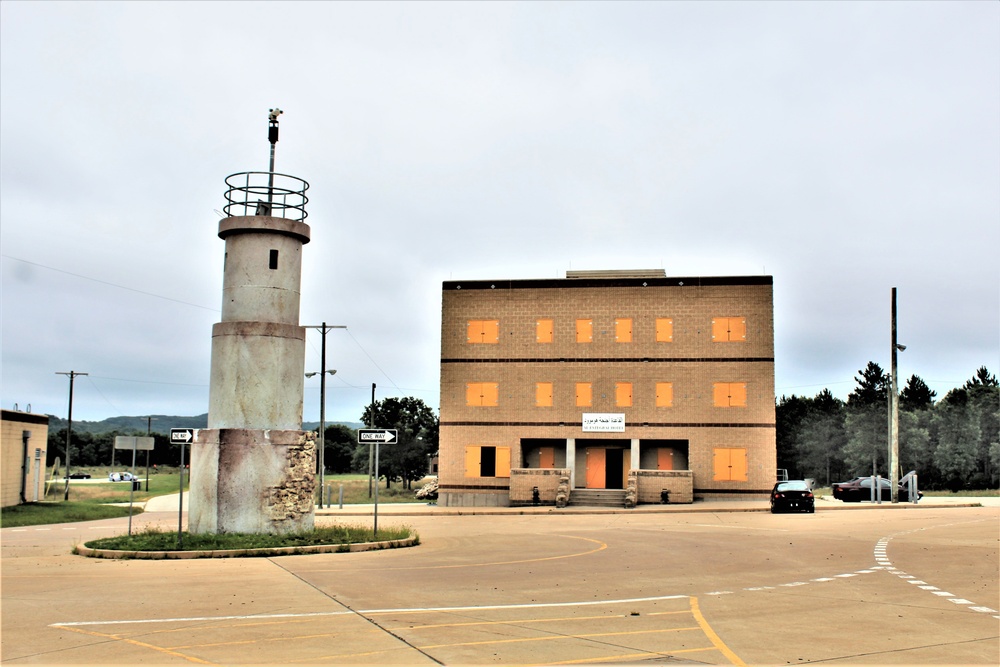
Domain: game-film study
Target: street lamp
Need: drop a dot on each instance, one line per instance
(322, 428)
(894, 412)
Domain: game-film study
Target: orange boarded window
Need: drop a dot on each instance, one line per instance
(664, 394)
(584, 394)
(487, 461)
(544, 331)
(664, 330)
(481, 393)
(729, 394)
(483, 331)
(729, 464)
(729, 329)
(623, 330)
(584, 331)
(623, 394)
(543, 394)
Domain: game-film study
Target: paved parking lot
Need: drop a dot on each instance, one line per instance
(883, 585)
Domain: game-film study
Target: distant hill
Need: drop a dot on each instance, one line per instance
(160, 424)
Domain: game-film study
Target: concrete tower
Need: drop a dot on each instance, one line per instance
(253, 468)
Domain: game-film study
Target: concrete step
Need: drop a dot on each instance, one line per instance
(597, 498)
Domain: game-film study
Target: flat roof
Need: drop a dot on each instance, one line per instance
(609, 281)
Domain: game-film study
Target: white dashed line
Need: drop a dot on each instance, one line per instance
(884, 563)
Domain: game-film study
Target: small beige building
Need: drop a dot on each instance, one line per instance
(24, 441)
(617, 380)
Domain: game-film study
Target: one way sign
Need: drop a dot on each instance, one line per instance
(184, 435)
(386, 436)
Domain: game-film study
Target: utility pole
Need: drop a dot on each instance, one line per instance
(69, 428)
(149, 428)
(323, 328)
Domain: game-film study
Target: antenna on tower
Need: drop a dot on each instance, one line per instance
(272, 136)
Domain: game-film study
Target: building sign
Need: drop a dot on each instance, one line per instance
(603, 422)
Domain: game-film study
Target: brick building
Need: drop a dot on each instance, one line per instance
(606, 380)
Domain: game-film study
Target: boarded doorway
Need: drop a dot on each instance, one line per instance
(606, 466)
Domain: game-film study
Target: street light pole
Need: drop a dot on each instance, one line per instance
(894, 411)
(69, 427)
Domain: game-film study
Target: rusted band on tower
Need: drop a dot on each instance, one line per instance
(271, 329)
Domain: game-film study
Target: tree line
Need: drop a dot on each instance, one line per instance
(952, 443)
(405, 462)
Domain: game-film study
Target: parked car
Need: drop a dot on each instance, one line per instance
(860, 488)
(795, 494)
(78, 475)
(122, 477)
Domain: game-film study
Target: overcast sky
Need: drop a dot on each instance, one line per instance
(844, 148)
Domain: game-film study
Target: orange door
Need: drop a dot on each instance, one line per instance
(664, 458)
(547, 457)
(595, 468)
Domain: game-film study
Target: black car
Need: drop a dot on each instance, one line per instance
(792, 495)
(77, 475)
(860, 488)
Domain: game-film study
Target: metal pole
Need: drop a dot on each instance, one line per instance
(322, 417)
(272, 136)
(149, 426)
(894, 416)
(180, 508)
(69, 427)
(371, 424)
(131, 485)
(376, 490)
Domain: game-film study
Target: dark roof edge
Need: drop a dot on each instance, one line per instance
(24, 417)
(570, 283)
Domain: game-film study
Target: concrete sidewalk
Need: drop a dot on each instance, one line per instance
(169, 503)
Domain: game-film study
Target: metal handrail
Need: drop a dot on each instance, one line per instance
(266, 193)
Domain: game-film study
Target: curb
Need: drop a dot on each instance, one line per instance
(645, 509)
(411, 541)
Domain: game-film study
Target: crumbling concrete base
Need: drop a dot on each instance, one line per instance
(252, 481)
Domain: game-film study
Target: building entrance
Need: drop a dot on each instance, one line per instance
(606, 463)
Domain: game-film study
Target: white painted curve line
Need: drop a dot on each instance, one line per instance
(884, 563)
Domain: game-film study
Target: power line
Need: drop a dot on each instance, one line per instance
(105, 282)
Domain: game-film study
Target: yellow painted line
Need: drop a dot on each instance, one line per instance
(520, 621)
(259, 641)
(712, 636)
(133, 642)
(630, 656)
(550, 638)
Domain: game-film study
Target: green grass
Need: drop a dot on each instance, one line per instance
(36, 514)
(158, 540)
(356, 491)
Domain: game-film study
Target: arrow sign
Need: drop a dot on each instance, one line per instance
(386, 436)
(184, 435)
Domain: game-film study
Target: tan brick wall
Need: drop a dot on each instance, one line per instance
(12, 448)
(524, 480)
(679, 483)
(692, 362)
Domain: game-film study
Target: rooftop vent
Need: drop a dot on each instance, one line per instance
(622, 273)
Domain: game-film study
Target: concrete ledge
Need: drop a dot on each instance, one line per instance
(249, 553)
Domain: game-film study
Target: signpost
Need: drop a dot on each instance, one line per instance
(134, 443)
(387, 436)
(181, 436)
